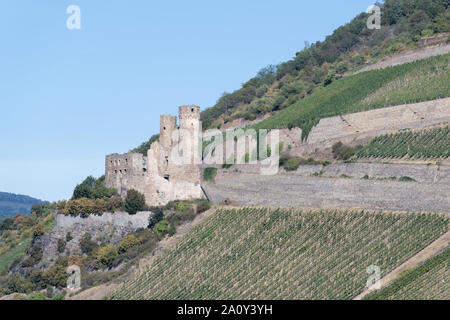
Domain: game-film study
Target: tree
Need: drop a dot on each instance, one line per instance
(106, 255)
(134, 202)
(157, 216)
(61, 245)
(84, 189)
(88, 246)
(128, 242)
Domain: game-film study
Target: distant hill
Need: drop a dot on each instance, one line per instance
(11, 203)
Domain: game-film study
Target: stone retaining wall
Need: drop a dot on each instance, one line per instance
(322, 192)
(420, 173)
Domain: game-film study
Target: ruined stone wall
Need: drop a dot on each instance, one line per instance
(167, 125)
(125, 172)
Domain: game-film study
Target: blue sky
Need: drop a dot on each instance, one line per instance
(69, 97)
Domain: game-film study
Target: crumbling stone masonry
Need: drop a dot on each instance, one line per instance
(171, 170)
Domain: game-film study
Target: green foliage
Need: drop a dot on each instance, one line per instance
(145, 146)
(17, 253)
(423, 144)
(278, 87)
(36, 253)
(221, 256)
(128, 242)
(292, 164)
(157, 216)
(58, 296)
(56, 275)
(61, 245)
(134, 202)
(347, 95)
(92, 188)
(203, 205)
(209, 174)
(87, 245)
(84, 207)
(106, 255)
(68, 236)
(161, 228)
(342, 152)
(37, 296)
(406, 179)
(428, 281)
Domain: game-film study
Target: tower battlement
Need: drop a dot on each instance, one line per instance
(189, 112)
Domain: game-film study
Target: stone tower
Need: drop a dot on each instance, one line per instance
(171, 170)
(189, 133)
(167, 126)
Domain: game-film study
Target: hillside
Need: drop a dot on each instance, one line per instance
(349, 48)
(408, 83)
(278, 93)
(253, 253)
(427, 281)
(422, 144)
(11, 203)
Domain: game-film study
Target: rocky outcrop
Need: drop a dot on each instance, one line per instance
(107, 228)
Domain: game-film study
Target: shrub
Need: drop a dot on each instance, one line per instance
(36, 296)
(172, 230)
(342, 152)
(88, 246)
(203, 205)
(37, 231)
(134, 202)
(282, 160)
(209, 174)
(292, 164)
(37, 208)
(127, 242)
(161, 228)
(36, 253)
(68, 236)
(56, 275)
(406, 179)
(58, 296)
(187, 214)
(61, 245)
(49, 292)
(106, 255)
(157, 216)
(114, 204)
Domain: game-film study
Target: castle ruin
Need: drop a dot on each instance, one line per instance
(171, 170)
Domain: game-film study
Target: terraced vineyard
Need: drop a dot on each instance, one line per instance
(258, 253)
(408, 83)
(425, 144)
(428, 281)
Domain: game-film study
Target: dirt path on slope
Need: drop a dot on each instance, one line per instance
(428, 252)
(101, 291)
